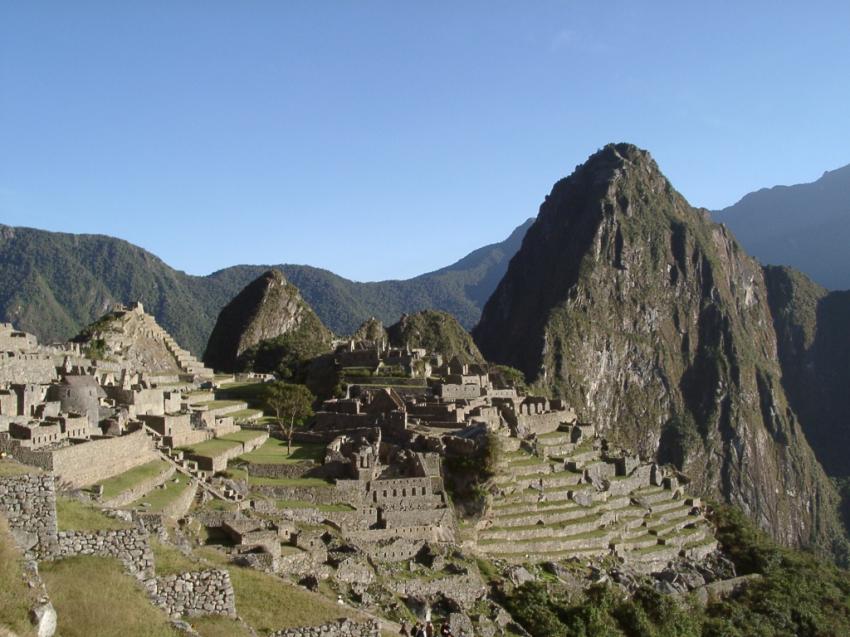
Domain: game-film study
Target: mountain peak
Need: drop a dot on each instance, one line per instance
(267, 308)
(648, 319)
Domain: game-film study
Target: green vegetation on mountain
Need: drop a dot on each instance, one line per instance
(654, 324)
(53, 284)
(371, 330)
(796, 594)
(267, 327)
(437, 332)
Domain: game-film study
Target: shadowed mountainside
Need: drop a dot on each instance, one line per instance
(806, 226)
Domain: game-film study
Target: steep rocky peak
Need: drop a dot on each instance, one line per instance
(267, 308)
(653, 323)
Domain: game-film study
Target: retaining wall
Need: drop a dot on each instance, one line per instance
(139, 490)
(196, 593)
(340, 628)
(96, 460)
(29, 503)
(128, 545)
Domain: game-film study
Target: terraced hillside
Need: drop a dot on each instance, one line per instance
(563, 494)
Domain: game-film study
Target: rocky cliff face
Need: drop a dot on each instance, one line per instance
(814, 351)
(437, 332)
(655, 325)
(268, 309)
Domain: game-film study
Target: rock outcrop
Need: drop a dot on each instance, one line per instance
(266, 320)
(371, 330)
(814, 351)
(436, 332)
(655, 325)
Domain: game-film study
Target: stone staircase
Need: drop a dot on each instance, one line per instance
(559, 495)
(190, 468)
(186, 361)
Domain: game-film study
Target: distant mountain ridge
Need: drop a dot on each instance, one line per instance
(53, 284)
(805, 226)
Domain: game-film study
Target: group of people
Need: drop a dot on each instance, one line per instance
(427, 630)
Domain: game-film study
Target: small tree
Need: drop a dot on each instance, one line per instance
(288, 401)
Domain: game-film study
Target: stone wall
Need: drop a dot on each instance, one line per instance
(425, 517)
(320, 495)
(187, 438)
(26, 368)
(464, 590)
(29, 503)
(196, 593)
(296, 470)
(397, 550)
(40, 459)
(340, 628)
(219, 461)
(130, 546)
(139, 490)
(540, 423)
(89, 462)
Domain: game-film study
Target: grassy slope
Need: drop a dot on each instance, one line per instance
(110, 604)
(15, 596)
(73, 515)
(129, 479)
(268, 603)
(158, 499)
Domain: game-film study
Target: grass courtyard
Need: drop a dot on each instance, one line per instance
(275, 451)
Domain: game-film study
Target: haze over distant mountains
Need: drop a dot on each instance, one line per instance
(53, 284)
(806, 226)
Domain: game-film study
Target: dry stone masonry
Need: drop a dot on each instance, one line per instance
(128, 545)
(29, 503)
(195, 593)
(341, 628)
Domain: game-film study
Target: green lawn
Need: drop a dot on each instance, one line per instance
(13, 468)
(274, 451)
(170, 561)
(129, 479)
(217, 626)
(237, 473)
(243, 436)
(245, 414)
(93, 596)
(211, 448)
(160, 498)
(74, 515)
(218, 404)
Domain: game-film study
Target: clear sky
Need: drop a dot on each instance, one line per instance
(385, 139)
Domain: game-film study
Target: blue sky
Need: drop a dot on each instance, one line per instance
(385, 139)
